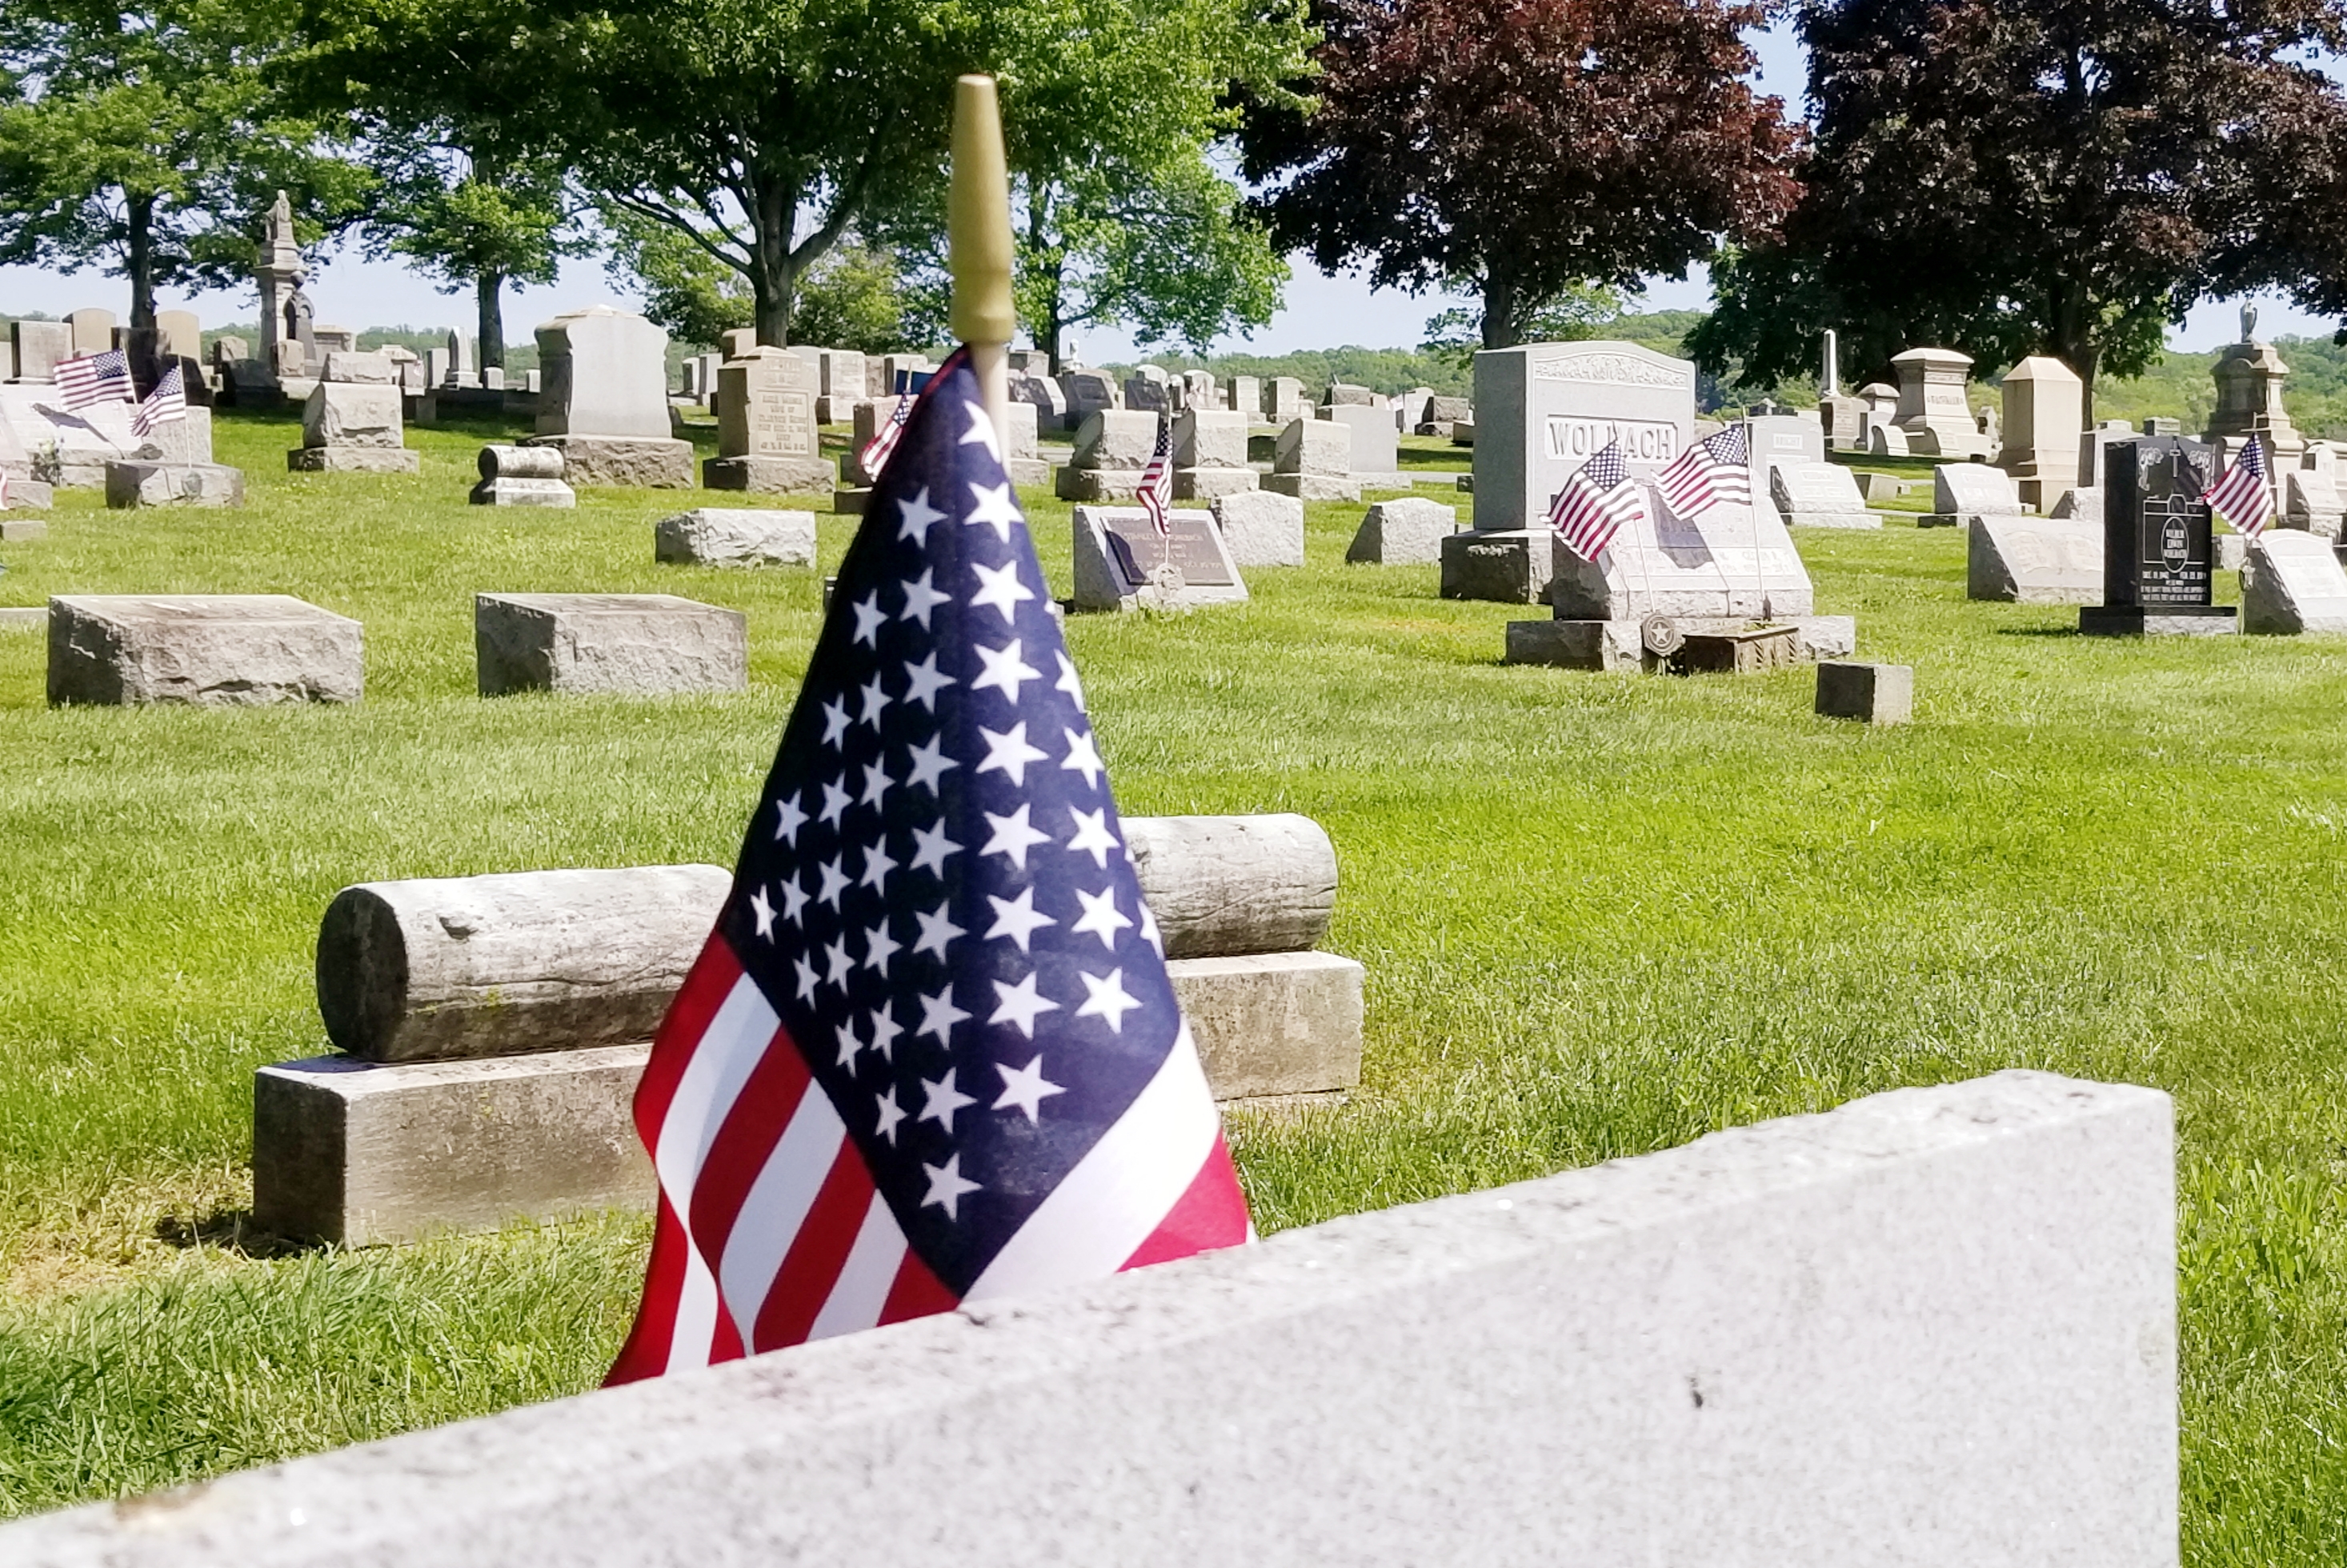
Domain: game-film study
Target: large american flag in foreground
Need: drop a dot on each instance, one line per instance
(94, 378)
(2242, 497)
(1596, 503)
(930, 1052)
(1712, 472)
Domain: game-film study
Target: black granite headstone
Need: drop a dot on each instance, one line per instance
(2158, 558)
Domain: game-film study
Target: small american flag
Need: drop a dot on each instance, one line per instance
(882, 444)
(164, 405)
(2242, 497)
(930, 1054)
(1596, 503)
(1713, 471)
(1156, 491)
(87, 379)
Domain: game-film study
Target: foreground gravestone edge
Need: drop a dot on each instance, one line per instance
(1934, 1326)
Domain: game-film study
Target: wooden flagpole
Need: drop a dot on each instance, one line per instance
(978, 236)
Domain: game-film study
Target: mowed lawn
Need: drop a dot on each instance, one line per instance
(1601, 914)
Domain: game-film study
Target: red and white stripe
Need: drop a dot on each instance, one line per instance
(882, 444)
(771, 1231)
(1156, 491)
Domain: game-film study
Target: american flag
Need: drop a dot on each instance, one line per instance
(1595, 503)
(167, 404)
(2242, 497)
(92, 378)
(1712, 471)
(930, 1053)
(1156, 491)
(882, 444)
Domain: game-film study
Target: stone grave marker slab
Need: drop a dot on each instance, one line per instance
(1406, 531)
(202, 650)
(41, 347)
(2310, 502)
(1123, 563)
(1819, 495)
(2034, 560)
(1113, 447)
(1961, 491)
(1778, 439)
(716, 536)
(766, 435)
(1736, 561)
(1377, 442)
(521, 477)
(603, 399)
(2291, 583)
(1261, 528)
(1210, 453)
(642, 644)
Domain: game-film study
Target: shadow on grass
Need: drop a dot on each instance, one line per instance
(229, 1230)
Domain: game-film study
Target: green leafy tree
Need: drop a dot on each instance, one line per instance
(475, 227)
(1524, 149)
(2016, 177)
(146, 140)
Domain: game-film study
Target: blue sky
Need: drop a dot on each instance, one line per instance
(1321, 311)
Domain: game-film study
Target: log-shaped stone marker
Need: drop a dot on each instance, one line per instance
(645, 645)
(206, 650)
(494, 1024)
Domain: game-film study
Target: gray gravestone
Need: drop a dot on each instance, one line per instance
(207, 651)
(1283, 400)
(352, 426)
(2034, 560)
(605, 401)
(2310, 502)
(643, 644)
(41, 347)
(522, 477)
(1542, 410)
(1785, 438)
(1113, 447)
(1732, 561)
(1961, 491)
(1819, 495)
(1210, 453)
(1123, 563)
(1312, 460)
(2291, 583)
(1377, 448)
(1875, 694)
(1261, 528)
(766, 437)
(1407, 531)
(715, 536)
(2158, 554)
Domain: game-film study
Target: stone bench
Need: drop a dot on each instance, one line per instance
(1934, 1326)
(206, 650)
(636, 644)
(493, 1027)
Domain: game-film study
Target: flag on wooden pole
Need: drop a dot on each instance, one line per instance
(2242, 497)
(1596, 503)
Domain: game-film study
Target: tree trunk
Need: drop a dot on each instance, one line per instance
(488, 290)
(139, 257)
(774, 215)
(2071, 338)
(1500, 304)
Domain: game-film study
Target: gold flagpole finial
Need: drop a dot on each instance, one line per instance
(978, 235)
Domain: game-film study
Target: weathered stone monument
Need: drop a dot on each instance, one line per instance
(1963, 491)
(1407, 531)
(1842, 415)
(766, 436)
(1541, 411)
(2158, 560)
(1932, 414)
(735, 536)
(604, 402)
(350, 421)
(2044, 420)
(203, 650)
(522, 477)
(173, 467)
(1210, 453)
(2248, 378)
(2310, 501)
(92, 328)
(41, 347)
(1088, 391)
(1243, 394)
(280, 273)
(1777, 439)
(1819, 495)
(840, 378)
(2291, 583)
(2034, 560)
(578, 644)
(1113, 447)
(1377, 454)
(1261, 528)
(1312, 460)
(1283, 400)
(1123, 563)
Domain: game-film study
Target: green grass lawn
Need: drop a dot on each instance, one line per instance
(1601, 915)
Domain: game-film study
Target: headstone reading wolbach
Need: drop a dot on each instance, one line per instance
(605, 401)
(1123, 563)
(2158, 554)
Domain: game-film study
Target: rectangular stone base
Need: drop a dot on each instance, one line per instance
(523, 493)
(649, 462)
(847, 501)
(1574, 645)
(1211, 484)
(144, 484)
(769, 475)
(1313, 487)
(1738, 651)
(21, 530)
(1502, 566)
(28, 495)
(2167, 620)
(204, 650)
(362, 1154)
(353, 460)
(1028, 472)
(1096, 483)
(1873, 693)
(633, 644)
(1834, 519)
(367, 1154)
